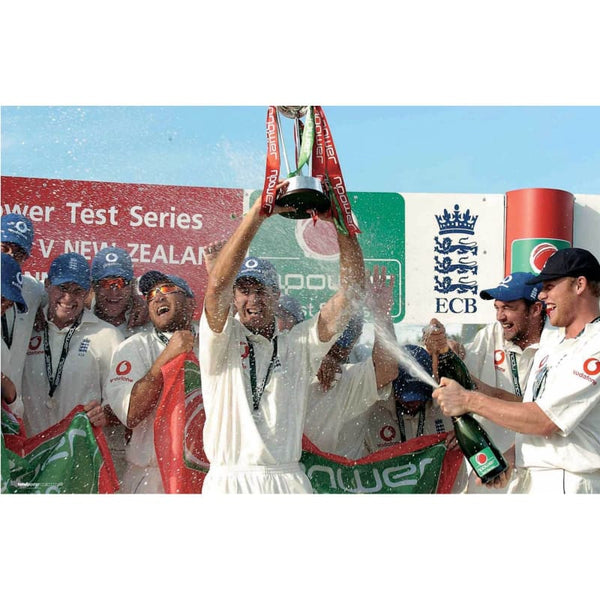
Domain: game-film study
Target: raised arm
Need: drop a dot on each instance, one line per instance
(219, 289)
(380, 300)
(338, 309)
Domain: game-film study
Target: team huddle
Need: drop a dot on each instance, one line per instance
(93, 334)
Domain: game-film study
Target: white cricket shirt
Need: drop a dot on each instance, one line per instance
(570, 397)
(236, 437)
(336, 419)
(20, 327)
(131, 361)
(84, 371)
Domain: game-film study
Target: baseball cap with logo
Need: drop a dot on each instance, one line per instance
(406, 386)
(515, 286)
(569, 262)
(259, 269)
(152, 278)
(112, 262)
(70, 268)
(12, 282)
(17, 229)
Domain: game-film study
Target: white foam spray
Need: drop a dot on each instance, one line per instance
(404, 358)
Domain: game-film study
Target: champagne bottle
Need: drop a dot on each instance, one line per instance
(483, 456)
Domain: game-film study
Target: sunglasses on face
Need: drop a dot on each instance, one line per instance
(115, 283)
(165, 288)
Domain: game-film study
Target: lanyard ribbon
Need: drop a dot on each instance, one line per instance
(257, 392)
(161, 336)
(164, 339)
(402, 427)
(54, 380)
(512, 356)
(6, 335)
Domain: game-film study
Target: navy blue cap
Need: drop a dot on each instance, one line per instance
(409, 388)
(151, 278)
(112, 262)
(70, 268)
(12, 282)
(17, 229)
(515, 286)
(259, 269)
(569, 262)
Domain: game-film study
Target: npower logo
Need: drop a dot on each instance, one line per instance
(391, 477)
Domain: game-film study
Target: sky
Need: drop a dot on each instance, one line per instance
(441, 149)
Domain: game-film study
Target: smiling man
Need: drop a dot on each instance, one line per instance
(135, 382)
(67, 362)
(256, 379)
(115, 298)
(501, 355)
(558, 422)
(116, 301)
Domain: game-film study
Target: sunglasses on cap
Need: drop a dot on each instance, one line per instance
(165, 288)
(115, 283)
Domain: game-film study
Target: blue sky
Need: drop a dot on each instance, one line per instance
(430, 97)
(488, 149)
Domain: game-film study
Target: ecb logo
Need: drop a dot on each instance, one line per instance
(455, 256)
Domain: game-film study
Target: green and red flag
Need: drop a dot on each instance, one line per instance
(71, 457)
(422, 465)
(178, 427)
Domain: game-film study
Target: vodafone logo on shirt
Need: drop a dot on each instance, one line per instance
(123, 367)
(592, 366)
(387, 433)
(591, 369)
(34, 345)
(122, 370)
(499, 357)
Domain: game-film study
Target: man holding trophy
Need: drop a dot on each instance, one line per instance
(256, 379)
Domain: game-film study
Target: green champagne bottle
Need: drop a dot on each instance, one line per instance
(487, 461)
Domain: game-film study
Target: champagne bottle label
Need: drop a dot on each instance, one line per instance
(483, 462)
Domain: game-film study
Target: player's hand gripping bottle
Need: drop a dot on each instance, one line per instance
(487, 461)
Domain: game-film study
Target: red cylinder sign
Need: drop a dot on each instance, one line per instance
(539, 221)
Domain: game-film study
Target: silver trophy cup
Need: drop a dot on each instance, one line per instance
(304, 192)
